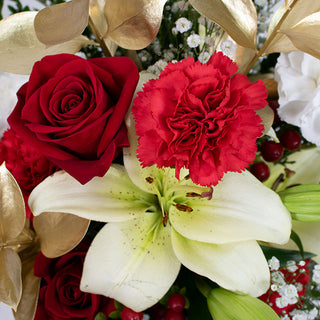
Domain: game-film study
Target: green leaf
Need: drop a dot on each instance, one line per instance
(115, 314)
(294, 237)
(100, 316)
(244, 307)
(284, 255)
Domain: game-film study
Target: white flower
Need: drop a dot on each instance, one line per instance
(183, 25)
(209, 41)
(9, 85)
(290, 292)
(156, 222)
(291, 266)
(261, 3)
(282, 302)
(204, 57)
(298, 77)
(278, 278)
(193, 41)
(316, 276)
(274, 263)
(286, 317)
(228, 47)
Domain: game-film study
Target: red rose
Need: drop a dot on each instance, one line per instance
(60, 297)
(72, 111)
(201, 117)
(27, 165)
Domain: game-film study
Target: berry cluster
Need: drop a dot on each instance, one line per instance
(175, 310)
(272, 151)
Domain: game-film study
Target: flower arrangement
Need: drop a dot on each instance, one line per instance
(161, 160)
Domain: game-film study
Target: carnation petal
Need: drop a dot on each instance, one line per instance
(137, 264)
(239, 267)
(241, 209)
(110, 198)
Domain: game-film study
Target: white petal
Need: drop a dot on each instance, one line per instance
(241, 209)
(239, 267)
(132, 262)
(110, 198)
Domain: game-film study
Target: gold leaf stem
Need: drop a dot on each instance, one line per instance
(271, 37)
(99, 38)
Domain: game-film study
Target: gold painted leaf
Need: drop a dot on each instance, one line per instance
(243, 57)
(301, 9)
(99, 27)
(12, 209)
(10, 280)
(20, 47)
(133, 24)
(59, 232)
(237, 17)
(61, 22)
(31, 285)
(266, 114)
(306, 35)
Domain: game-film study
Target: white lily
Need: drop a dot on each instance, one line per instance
(136, 257)
(156, 222)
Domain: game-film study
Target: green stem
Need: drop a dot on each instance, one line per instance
(275, 31)
(99, 38)
(203, 287)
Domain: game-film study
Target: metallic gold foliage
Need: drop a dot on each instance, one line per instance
(20, 47)
(61, 22)
(59, 232)
(133, 24)
(237, 17)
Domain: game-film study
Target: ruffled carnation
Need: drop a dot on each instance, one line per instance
(26, 164)
(298, 77)
(201, 117)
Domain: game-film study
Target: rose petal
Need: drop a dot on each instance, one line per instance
(239, 267)
(136, 265)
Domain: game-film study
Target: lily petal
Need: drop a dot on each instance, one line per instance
(136, 265)
(239, 267)
(110, 198)
(241, 209)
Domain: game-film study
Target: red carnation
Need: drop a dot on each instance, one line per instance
(27, 165)
(201, 117)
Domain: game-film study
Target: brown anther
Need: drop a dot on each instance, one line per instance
(165, 219)
(289, 172)
(187, 177)
(149, 179)
(183, 207)
(193, 194)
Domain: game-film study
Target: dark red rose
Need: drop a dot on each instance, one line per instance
(72, 111)
(60, 297)
(27, 165)
(201, 117)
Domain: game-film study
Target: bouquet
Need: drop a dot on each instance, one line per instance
(160, 160)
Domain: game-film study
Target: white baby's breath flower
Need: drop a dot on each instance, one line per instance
(291, 266)
(286, 317)
(168, 55)
(183, 25)
(282, 302)
(9, 85)
(202, 20)
(174, 31)
(209, 41)
(204, 57)
(274, 263)
(261, 3)
(183, 5)
(193, 40)
(298, 77)
(278, 278)
(297, 314)
(316, 276)
(228, 47)
(289, 291)
(299, 286)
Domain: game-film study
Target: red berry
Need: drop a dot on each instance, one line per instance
(158, 311)
(129, 314)
(177, 302)
(260, 170)
(274, 105)
(271, 151)
(172, 315)
(291, 140)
